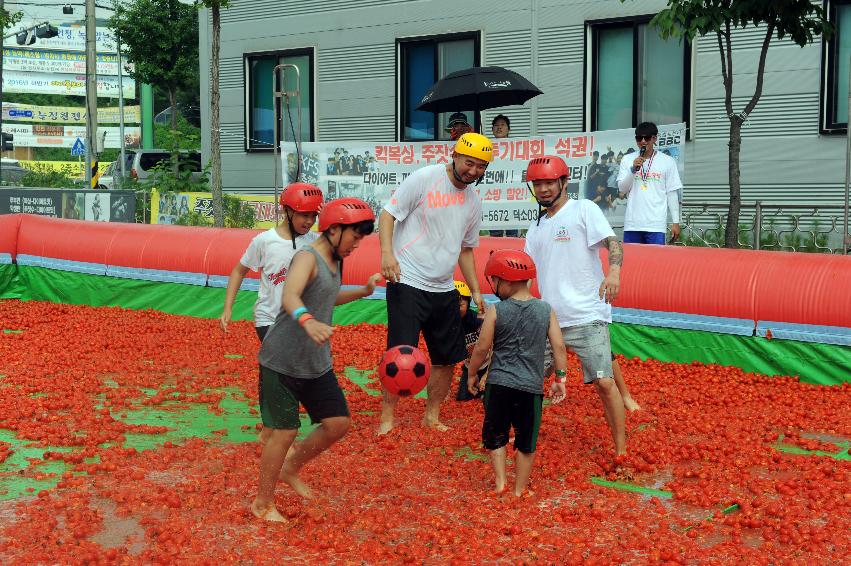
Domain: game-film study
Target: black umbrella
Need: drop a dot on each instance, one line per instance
(478, 88)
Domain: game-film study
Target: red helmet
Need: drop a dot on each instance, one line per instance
(546, 168)
(510, 265)
(347, 210)
(302, 197)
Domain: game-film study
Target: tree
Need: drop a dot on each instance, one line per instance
(160, 39)
(8, 19)
(215, 122)
(800, 20)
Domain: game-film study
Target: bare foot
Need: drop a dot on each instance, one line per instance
(630, 405)
(500, 487)
(524, 493)
(623, 473)
(295, 482)
(384, 427)
(268, 513)
(436, 425)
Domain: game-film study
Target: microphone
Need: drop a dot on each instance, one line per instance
(643, 150)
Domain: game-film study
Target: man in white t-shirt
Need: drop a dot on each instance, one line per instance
(430, 225)
(651, 182)
(565, 244)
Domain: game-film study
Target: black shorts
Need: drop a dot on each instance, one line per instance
(506, 407)
(261, 331)
(411, 310)
(280, 396)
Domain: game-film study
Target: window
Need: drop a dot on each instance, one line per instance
(636, 76)
(260, 107)
(422, 62)
(838, 51)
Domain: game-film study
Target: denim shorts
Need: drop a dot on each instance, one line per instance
(592, 345)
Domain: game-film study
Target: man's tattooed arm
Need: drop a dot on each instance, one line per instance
(615, 251)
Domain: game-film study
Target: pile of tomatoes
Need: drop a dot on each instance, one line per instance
(727, 457)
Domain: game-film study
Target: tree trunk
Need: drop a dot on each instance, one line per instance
(175, 146)
(731, 234)
(215, 136)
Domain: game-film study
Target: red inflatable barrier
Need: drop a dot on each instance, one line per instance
(9, 226)
(76, 240)
(801, 287)
(226, 249)
(777, 286)
(688, 280)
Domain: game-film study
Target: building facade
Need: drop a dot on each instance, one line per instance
(365, 63)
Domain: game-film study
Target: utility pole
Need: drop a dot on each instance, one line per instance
(2, 41)
(91, 89)
(120, 105)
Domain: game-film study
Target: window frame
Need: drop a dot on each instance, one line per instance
(592, 41)
(248, 121)
(828, 124)
(402, 76)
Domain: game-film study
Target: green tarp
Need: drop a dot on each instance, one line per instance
(815, 363)
(823, 364)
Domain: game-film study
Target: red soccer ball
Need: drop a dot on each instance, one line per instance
(404, 370)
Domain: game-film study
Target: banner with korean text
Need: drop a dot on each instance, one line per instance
(97, 206)
(20, 112)
(373, 171)
(66, 84)
(49, 61)
(166, 208)
(45, 135)
(71, 37)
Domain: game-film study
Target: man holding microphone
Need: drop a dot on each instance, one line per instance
(651, 183)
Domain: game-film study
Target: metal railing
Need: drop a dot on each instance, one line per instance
(767, 226)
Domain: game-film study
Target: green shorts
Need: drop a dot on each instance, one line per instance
(280, 396)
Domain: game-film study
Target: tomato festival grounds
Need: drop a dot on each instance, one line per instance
(130, 437)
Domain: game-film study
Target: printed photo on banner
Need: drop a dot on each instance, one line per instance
(97, 208)
(73, 205)
(310, 166)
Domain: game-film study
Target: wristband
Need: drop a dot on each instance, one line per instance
(298, 312)
(304, 318)
(561, 373)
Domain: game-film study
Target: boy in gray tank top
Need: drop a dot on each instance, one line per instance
(295, 357)
(517, 329)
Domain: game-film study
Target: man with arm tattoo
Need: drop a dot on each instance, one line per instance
(565, 244)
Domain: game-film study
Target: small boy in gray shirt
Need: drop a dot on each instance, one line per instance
(517, 329)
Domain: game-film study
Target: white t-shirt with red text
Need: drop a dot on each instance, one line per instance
(647, 201)
(434, 220)
(270, 255)
(566, 252)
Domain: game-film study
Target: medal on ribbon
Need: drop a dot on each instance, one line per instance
(645, 173)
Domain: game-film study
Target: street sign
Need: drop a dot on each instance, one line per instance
(79, 148)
